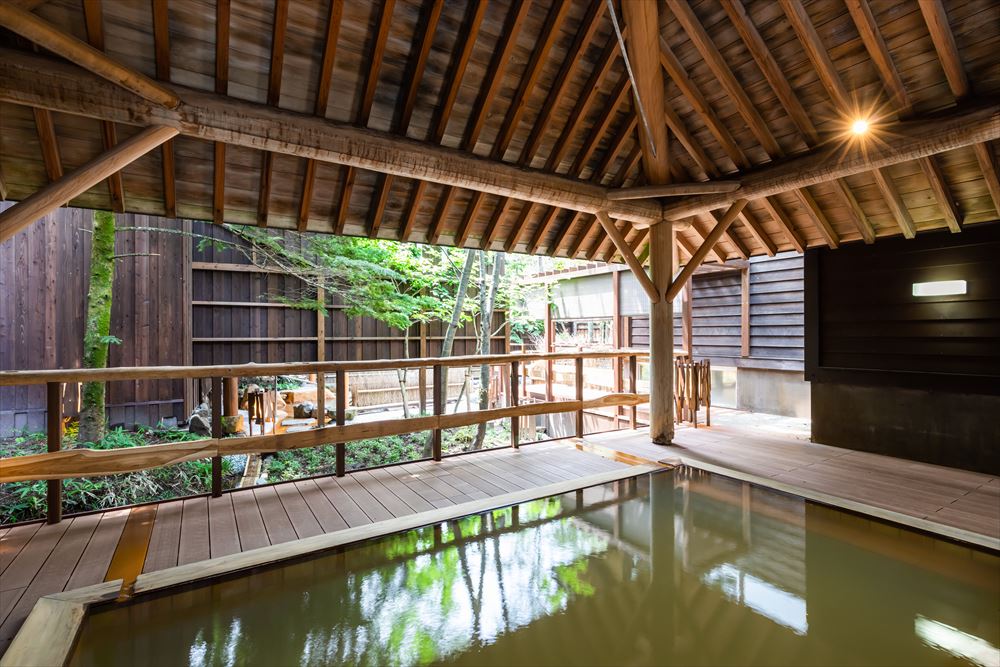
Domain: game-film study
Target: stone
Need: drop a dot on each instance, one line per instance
(304, 410)
(232, 424)
(199, 424)
(167, 423)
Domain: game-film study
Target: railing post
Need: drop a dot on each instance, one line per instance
(579, 396)
(440, 401)
(217, 434)
(515, 422)
(54, 433)
(633, 383)
(341, 418)
(321, 399)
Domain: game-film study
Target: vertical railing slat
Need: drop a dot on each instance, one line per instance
(633, 383)
(341, 419)
(54, 433)
(515, 422)
(579, 396)
(216, 433)
(440, 401)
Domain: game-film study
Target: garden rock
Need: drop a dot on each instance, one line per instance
(304, 410)
(199, 424)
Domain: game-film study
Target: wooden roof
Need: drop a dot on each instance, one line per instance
(536, 83)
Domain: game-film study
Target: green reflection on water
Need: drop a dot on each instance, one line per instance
(677, 568)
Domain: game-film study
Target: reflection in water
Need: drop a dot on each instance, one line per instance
(677, 567)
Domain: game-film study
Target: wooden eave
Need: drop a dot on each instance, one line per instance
(730, 67)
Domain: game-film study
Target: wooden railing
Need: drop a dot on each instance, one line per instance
(57, 464)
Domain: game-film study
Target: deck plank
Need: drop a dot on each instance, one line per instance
(372, 508)
(396, 505)
(276, 521)
(53, 573)
(12, 543)
(194, 544)
(342, 502)
(164, 543)
(303, 520)
(326, 514)
(223, 536)
(416, 502)
(31, 558)
(97, 556)
(249, 523)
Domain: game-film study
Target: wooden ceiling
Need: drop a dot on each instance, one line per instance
(534, 83)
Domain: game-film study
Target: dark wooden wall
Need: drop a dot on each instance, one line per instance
(866, 327)
(44, 271)
(911, 377)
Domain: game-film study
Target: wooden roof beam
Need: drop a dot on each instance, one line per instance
(931, 135)
(278, 27)
(778, 214)
(222, 15)
(699, 256)
(364, 113)
(44, 34)
(454, 78)
(44, 201)
(93, 18)
(415, 75)
(673, 190)
(322, 99)
(939, 27)
(214, 117)
(49, 143)
(627, 166)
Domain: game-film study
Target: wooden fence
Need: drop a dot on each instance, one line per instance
(58, 464)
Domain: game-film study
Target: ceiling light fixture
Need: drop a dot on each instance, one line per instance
(860, 126)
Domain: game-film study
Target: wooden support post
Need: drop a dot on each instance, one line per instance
(687, 323)
(550, 337)
(661, 338)
(321, 399)
(440, 401)
(52, 196)
(422, 372)
(745, 312)
(54, 433)
(633, 381)
(579, 396)
(616, 338)
(231, 397)
(515, 422)
(341, 420)
(216, 433)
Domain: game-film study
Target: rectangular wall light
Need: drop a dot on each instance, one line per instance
(939, 288)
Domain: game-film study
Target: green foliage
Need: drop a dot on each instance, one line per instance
(24, 501)
(97, 328)
(111, 340)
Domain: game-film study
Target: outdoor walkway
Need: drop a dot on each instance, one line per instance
(778, 448)
(39, 559)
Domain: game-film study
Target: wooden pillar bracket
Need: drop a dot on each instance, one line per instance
(699, 256)
(626, 252)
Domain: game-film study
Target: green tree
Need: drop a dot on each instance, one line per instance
(97, 331)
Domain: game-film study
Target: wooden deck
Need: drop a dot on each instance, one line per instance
(38, 559)
(778, 448)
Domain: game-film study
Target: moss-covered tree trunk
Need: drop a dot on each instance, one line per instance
(96, 334)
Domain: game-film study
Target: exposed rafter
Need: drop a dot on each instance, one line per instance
(278, 28)
(222, 17)
(161, 47)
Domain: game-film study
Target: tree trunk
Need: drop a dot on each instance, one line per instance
(93, 423)
(449, 335)
(486, 306)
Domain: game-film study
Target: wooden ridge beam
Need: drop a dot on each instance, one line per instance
(322, 99)
(222, 16)
(611, 229)
(699, 255)
(44, 34)
(93, 18)
(44, 201)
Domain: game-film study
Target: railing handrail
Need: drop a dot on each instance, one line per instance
(12, 378)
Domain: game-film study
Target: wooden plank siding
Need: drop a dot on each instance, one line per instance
(43, 280)
(777, 325)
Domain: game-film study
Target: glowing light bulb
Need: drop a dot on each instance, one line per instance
(860, 126)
